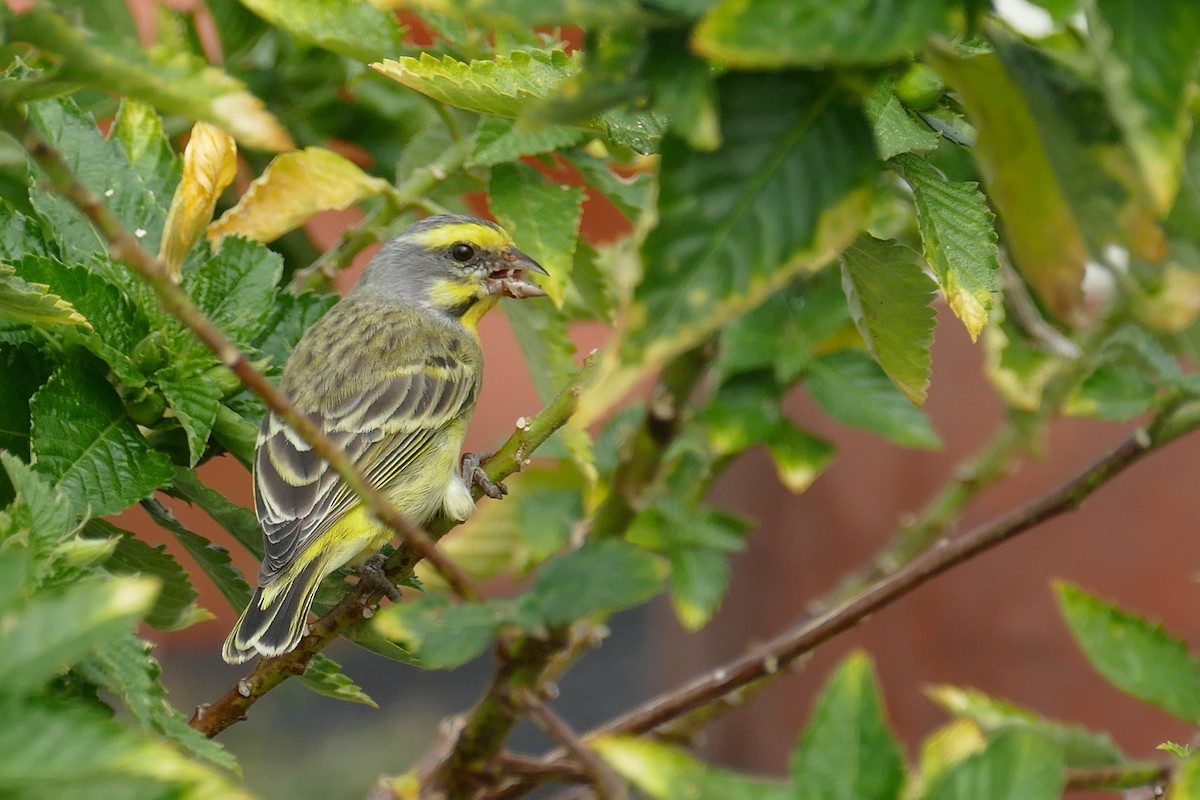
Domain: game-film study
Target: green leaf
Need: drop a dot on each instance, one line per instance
(127, 670)
(324, 676)
(288, 317)
(1079, 746)
(1112, 392)
(630, 195)
(522, 15)
(785, 192)
(174, 81)
(1015, 765)
(1147, 57)
(598, 578)
(889, 297)
(192, 394)
(1133, 654)
(439, 634)
(73, 752)
(236, 287)
(212, 558)
(39, 516)
(239, 521)
(684, 89)
(139, 131)
(20, 235)
(543, 219)
(699, 580)
(663, 772)
(496, 142)
(957, 232)
(743, 413)
(353, 29)
(34, 303)
(799, 456)
(1185, 784)
(54, 631)
(847, 750)
(770, 34)
(83, 441)
(25, 369)
(504, 86)
(894, 127)
(175, 607)
(1043, 233)
(854, 390)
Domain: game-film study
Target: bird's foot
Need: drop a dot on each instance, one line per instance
(475, 475)
(373, 576)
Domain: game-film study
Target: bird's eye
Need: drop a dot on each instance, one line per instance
(462, 252)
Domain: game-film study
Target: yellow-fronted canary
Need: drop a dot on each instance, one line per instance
(391, 374)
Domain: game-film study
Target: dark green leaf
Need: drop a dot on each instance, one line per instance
(239, 521)
(357, 30)
(25, 369)
(854, 390)
(236, 287)
(699, 579)
(496, 142)
(957, 233)
(599, 577)
(785, 192)
(324, 676)
(83, 441)
(1015, 765)
(1135, 655)
(192, 393)
(799, 456)
(781, 33)
(288, 317)
(889, 297)
(175, 607)
(629, 195)
(213, 559)
(847, 751)
(743, 413)
(439, 634)
(895, 129)
(684, 90)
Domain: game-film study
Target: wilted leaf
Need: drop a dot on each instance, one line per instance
(209, 165)
(292, 188)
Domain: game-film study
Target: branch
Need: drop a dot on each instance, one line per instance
(212, 718)
(606, 782)
(1116, 777)
(806, 635)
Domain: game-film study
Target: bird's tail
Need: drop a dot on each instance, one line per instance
(273, 622)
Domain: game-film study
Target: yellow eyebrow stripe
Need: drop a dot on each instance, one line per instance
(484, 236)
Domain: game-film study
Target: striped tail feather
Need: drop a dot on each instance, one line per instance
(271, 626)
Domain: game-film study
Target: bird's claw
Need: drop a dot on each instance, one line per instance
(375, 577)
(475, 475)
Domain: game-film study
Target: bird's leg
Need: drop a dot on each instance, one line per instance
(373, 575)
(474, 475)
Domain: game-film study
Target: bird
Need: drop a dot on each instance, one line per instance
(391, 374)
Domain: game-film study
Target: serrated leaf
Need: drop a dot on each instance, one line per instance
(889, 299)
(847, 751)
(1137, 656)
(957, 232)
(34, 303)
(785, 192)
(854, 390)
(175, 81)
(1043, 232)
(127, 670)
(1079, 746)
(1015, 765)
(292, 188)
(799, 456)
(236, 287)
(239, 521)
(175, 606)
(496, 142)
(193, 396)
(26, 369)
(82, 440)
(784, 33)
(212, 558)
(1147, 58)
(442, 635)
(543, 219)
(209, 165)
(504, 86)
(630, 195)
(70, 751)
(139, 131)
(21, 236)
(39, 515)
(355, 29)
(599, 577)
(895, 129)
(54, 631)
(324, 676)
(288, 317)
(663, 772)
(522, 15)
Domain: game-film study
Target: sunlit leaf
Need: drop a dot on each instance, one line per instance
(355, 29)
(663, 772)
(442, 635)
(34, 303)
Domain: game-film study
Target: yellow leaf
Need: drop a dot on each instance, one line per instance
(292, 188)
(209, 164)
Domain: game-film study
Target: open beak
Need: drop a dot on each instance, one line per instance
(510, 281)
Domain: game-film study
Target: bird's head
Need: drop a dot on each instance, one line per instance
(455, 265)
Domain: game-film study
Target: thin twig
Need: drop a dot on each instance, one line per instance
(1116, 777)
(606, 782)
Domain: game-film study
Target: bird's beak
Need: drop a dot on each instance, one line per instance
(510, 281)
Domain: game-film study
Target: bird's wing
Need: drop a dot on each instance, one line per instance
(383, 429)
